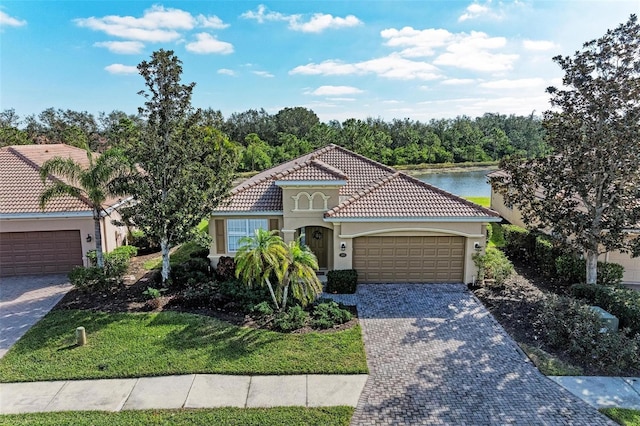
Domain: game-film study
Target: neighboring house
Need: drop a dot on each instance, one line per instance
(356, 213)
(55, 240)
(513, 215)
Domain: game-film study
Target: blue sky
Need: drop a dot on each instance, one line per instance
(342, 59)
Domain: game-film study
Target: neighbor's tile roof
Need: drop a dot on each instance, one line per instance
(402, 196)
(20, 183)
(371, 190)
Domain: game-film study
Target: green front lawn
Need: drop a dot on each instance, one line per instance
(623, 416)
(217, 416)
(164, 343)
(481, 201)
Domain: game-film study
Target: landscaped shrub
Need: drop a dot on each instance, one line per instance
(493, 265)
(571, 326)
(327, 314)
(292, 319)
(545, 254)
(242, 297)
(144, 243)
(571, 269)
(191, 272)
(518, 242)
(622, 302)
(203, 294)
(342, 281)
(201, 253)
(226, 269)
(130, 251)
(495, 234)
(90, 278)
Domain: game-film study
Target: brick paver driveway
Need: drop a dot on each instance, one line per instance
(23, 301)
(436, 356)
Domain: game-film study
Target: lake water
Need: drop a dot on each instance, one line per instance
(462, 183)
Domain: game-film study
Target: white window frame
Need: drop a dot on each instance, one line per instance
(249, 227)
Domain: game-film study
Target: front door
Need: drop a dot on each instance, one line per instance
(317, 238)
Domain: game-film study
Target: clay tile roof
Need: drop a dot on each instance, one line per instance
(20, 183)
(312, 170)
(402, 196)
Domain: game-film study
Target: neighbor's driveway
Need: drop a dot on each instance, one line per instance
(24, 300)
(436, 356)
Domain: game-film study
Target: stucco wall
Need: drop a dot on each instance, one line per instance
(512, 215)
(631, 264)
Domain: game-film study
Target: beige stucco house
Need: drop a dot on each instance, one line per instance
(355, 213)
(513, 215)
(33, 241)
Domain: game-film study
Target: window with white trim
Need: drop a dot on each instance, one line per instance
(239, 228)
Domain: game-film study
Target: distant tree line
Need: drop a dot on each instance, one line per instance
(265, 139)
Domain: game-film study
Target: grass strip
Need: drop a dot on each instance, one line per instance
(218, 416)
(164, 343)
(623, 416)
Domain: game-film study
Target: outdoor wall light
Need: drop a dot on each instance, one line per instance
(477, 246)
(343, 246)
(89, 238)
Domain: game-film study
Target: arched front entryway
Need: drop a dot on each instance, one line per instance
(320, 240)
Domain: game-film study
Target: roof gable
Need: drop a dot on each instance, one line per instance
(404, 197)
(21, 185)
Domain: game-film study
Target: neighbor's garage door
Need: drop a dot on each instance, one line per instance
(409, 259)
(46, 252)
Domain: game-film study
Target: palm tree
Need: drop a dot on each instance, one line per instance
(300, 274)
(88, 183)
(259, 257)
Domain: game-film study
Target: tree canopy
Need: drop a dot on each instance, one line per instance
(591, 182)
(184, 168)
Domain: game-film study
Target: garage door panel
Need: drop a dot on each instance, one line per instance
(409, 259)
(41, 252)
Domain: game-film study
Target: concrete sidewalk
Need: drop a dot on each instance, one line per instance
(603, 392)
(188, 391)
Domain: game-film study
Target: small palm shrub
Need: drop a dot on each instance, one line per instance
(293, 318)
(493, 265)
(328, 314)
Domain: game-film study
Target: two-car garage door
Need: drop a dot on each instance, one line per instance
(385, 259)
(46, 252)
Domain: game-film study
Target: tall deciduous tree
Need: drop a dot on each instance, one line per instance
(91, 183)
(184, 169)
(591, 182)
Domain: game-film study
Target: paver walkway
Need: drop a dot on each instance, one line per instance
(24, 300)
(436, 356)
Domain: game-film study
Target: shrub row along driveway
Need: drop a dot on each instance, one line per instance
(436, 356)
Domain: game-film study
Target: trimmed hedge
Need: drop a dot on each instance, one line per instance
(517, 241)
(571, 269)
(493, 264)
(622, 302)
(342, 281)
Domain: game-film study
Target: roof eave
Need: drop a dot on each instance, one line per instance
(475, 219)
(247, 213)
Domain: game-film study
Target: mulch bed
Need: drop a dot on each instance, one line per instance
(130, 298)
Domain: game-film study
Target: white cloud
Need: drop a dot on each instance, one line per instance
(124, 47)
(211, 22)
(157, 24)
(264, 74)
(470, 51)
(121, 69)
(316, 24)
(225, 71)
(10, 21)
(342, 99)
(392, 66)
(334, 91)
(522, 83)
(539, 45)
(320, 22)
(418, 42)
(473, 11)
(206, 43)
(458, 81)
